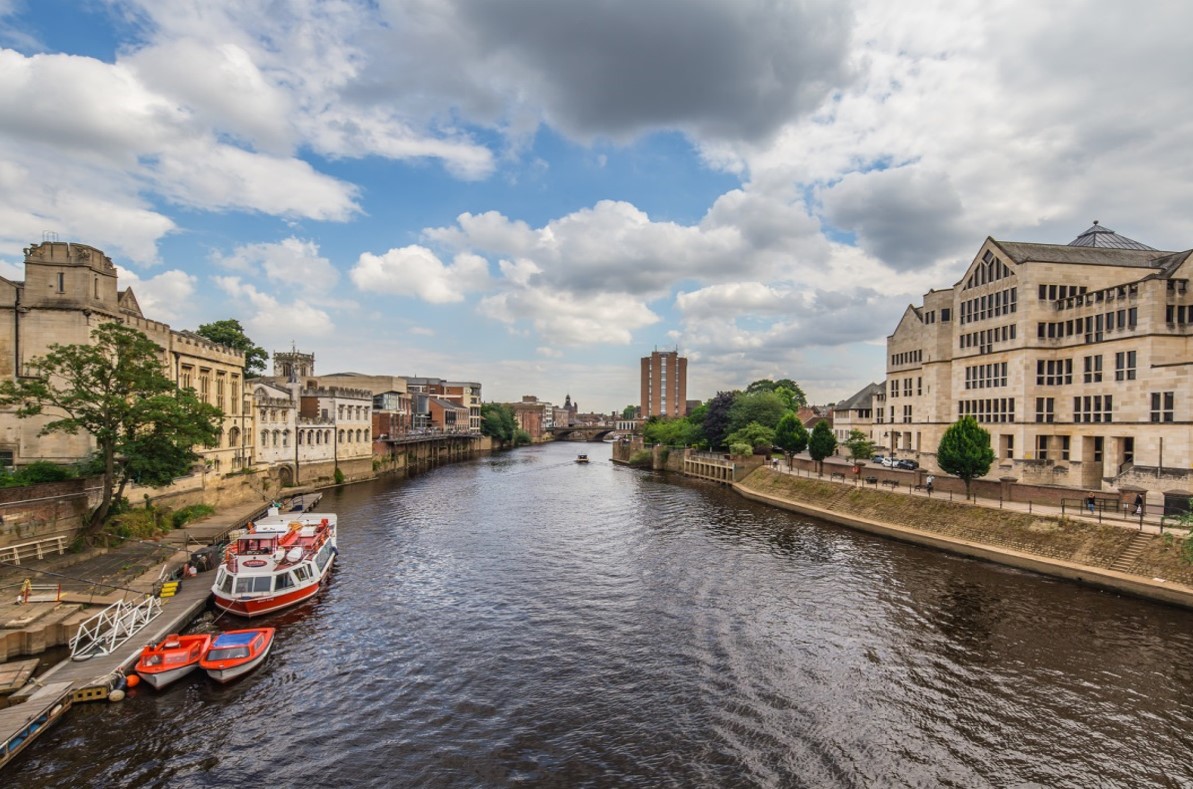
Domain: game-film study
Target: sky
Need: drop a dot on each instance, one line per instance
(534, 194)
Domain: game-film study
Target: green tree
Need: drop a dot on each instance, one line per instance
(765, 408)
(791, 393)
(670, 432)
(965, 450)
(229, 332)
(791, 436)
(821, 444)
(860, 448)
(629, 412)
(498, 422)
(716, 418)
(756, 435)
(115, 388)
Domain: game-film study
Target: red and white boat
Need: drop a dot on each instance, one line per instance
(236, 652)
(172, 658)
(279, 561)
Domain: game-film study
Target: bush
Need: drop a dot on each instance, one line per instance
(643, 458)
(741, 449)
(339, 476)
(188, 514)
(138, 524)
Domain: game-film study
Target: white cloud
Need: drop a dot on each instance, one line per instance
(271, 322)
(417, 271)
(292, 262)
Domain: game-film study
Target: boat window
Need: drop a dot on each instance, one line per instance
(227, 653)
(225, 582)
(177, 657)
(303, 572)
(253, 583)
(283, 581)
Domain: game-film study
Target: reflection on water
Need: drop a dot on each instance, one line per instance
(526, 620)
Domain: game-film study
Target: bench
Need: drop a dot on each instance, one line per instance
(891, 483)
(837, 475)
(872, 481)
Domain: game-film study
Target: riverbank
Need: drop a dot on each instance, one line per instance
(1062, 547)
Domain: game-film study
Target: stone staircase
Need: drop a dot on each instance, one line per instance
(1126, 559)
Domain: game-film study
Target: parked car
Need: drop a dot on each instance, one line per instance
(890, 462)
(877, 459)
(909, 465)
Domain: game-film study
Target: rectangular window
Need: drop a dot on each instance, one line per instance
(1124, 366)
(62, 283)
(1042, 447)
(1064, 447)
(1093, 408)
(1163, 406)
(1093, 369)
(1045, 409)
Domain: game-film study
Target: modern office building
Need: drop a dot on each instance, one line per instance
(1077, 358)
(664, 384)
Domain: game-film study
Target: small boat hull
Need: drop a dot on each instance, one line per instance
(171, 659)
(237, 652)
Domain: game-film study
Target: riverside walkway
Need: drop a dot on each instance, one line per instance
(130, 572)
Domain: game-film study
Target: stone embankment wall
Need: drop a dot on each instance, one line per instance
(1064, 547)
(52, 509)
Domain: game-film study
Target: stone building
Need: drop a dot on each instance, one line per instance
(857, 413)
(68, 291)
(1075, 357)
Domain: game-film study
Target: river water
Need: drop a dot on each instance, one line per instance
(524, 620)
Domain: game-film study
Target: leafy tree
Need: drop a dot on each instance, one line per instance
(860, 448)
(791, 436)
(629, 412)
(229, 332)
(670, 432)
(498, 422)
(115, 388)
(965, 450)
(716, 418)
(521, 438)
(740, 449)
(765, 408)
(821, 444)
(756, 435)
(791, 393)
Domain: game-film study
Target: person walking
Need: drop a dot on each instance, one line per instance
(929, 482)
(1138, 503)
(1091, 503)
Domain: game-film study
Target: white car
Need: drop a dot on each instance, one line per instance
(889, 462)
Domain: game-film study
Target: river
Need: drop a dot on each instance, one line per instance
(524, 620)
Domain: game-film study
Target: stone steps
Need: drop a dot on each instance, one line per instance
(1126, 559)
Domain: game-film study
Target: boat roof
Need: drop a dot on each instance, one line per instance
(240, 639)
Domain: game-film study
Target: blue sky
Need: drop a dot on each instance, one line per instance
(535, 193)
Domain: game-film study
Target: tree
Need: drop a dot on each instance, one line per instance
(965, 451)
(669, 432)
(145, 428)
(821, 444)
(791, 436)
(765, 408)
(756, 435)
(629, 412)
(229, 332)
(860, 448)
(716, 418)
(498, 422)
(791, 393)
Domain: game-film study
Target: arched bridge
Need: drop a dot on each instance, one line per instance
(580, 433)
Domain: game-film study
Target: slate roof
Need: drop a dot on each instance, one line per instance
(1085, 255)
(1105, 238)
(862, 399)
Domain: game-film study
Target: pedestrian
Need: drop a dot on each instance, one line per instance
(1138, 503)
(928, 483)
(1090, 503)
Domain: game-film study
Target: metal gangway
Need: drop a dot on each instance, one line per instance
(111, 627)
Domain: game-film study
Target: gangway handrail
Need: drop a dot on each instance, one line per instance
(57, 543)
(111, 627)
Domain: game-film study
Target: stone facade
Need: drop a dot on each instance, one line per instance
(71, 289)
(1076, 358)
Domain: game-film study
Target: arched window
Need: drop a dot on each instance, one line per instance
(265, 438)
(285, 438)
(340, 436)
(234, 437)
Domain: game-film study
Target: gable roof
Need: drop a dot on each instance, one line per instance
(127, 302)
(1021, 252)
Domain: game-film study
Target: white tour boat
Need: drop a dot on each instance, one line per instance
(278, 561)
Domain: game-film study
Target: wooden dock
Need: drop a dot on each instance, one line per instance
(73, 681)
